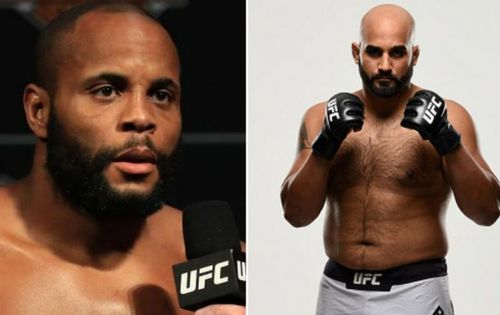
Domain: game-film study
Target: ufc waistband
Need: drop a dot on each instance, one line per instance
(383, 280)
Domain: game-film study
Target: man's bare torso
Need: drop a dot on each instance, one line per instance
(36, 280)
(386, 198)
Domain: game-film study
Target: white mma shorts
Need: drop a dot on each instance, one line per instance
(415, 289)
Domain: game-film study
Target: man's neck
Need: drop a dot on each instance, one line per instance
(71, 234)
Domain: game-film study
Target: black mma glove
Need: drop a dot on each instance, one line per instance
(343, 113)
(426, 113)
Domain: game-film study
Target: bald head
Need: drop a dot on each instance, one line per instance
(388, 20)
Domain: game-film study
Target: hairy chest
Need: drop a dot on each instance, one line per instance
(387, 156)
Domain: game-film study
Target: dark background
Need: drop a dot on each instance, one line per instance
(210, 37)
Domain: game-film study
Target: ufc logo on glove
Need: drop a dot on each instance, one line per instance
(332, 109)
(430, 112)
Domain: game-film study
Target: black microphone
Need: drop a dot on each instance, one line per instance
(215, 272)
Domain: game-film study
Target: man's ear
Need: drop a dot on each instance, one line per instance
(415, 54)
(36, 107)
(355, 52)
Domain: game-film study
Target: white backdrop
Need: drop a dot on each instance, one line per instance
(299, 54)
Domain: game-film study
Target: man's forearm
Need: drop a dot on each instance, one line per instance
(475, 188)
(303, 192)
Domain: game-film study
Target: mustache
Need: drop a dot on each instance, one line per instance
(384, 76)
(106, 155)
(136, 142)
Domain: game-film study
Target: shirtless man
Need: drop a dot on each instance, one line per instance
(386, 186)
(86, 231)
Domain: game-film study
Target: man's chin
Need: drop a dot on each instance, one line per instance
(129, 184)
(131, 202)
(383, 84)
(138, 189)
(383, 92)
(130, 198)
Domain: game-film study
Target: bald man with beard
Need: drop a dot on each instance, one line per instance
(87, 232)
(385, 159)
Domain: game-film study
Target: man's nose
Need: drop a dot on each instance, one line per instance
(137, 115)
(385, 64)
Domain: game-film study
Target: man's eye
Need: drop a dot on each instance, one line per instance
(373, 52)
(105, 92)
(397, 53)
(161, 96)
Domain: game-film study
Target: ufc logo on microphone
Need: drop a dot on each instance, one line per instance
(241, 267)
(332, 109)
(430, 111)
(363, 278)
(198, 278)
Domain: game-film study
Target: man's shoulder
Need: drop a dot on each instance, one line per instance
(167, 216)
(8, 206)
(316, 109)
(314, 115)
(15, 251)
(458, 114)
(11, 191)
(169, 212)
(166, 224)
(5, 194)
(455, 107)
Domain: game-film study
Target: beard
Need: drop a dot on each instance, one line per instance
(386, 90)
(78, 176)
